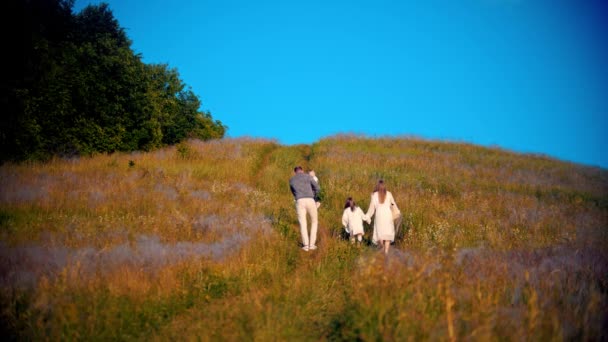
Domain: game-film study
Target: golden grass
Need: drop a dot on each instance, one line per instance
(200, 241)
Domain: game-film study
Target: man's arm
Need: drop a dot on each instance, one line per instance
(293, 190)
(315, 186)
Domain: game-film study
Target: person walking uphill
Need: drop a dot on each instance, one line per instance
(352, 220)
(380, 204)
(305, 189)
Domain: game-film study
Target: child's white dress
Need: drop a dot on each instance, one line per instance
(353, 220)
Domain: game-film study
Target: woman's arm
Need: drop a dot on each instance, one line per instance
(364, 217)
(372, 208)
(393, 200)
(345, 220)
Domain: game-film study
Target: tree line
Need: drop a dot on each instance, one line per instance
(72, 85)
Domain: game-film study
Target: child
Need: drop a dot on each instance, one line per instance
(352, 220)
(317, 199)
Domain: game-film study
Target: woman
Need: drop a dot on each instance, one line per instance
(384, 226)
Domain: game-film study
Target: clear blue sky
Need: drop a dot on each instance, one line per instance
(526, 75)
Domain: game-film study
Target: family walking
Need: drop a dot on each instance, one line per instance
(305, 189)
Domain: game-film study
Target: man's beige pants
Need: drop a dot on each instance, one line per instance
(304, 206)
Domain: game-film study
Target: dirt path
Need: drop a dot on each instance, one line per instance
(262, 161)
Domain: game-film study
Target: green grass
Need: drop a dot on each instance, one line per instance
(200, 241)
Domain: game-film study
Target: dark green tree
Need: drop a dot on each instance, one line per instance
(176, 108)
(33, 33)
(74, 86)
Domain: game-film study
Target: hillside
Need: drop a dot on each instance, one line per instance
(201, 240)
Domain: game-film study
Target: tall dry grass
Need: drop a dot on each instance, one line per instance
(200, 241)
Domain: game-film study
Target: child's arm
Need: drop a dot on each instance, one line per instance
(345, 221)
(364, 217)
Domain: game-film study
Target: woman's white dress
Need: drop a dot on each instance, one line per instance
(384, 226)
(353, 220)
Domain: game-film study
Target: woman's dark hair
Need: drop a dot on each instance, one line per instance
(381, 189)
(350, 203)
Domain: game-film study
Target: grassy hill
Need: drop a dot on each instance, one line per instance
(200, 240)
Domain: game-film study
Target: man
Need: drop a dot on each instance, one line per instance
(305, 190)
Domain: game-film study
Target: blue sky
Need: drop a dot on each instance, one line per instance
(526, 75)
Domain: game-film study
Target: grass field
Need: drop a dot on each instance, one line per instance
(200, 241)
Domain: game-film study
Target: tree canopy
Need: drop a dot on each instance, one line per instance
(72, 85)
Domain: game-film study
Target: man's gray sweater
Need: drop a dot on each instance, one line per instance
(303, 186)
